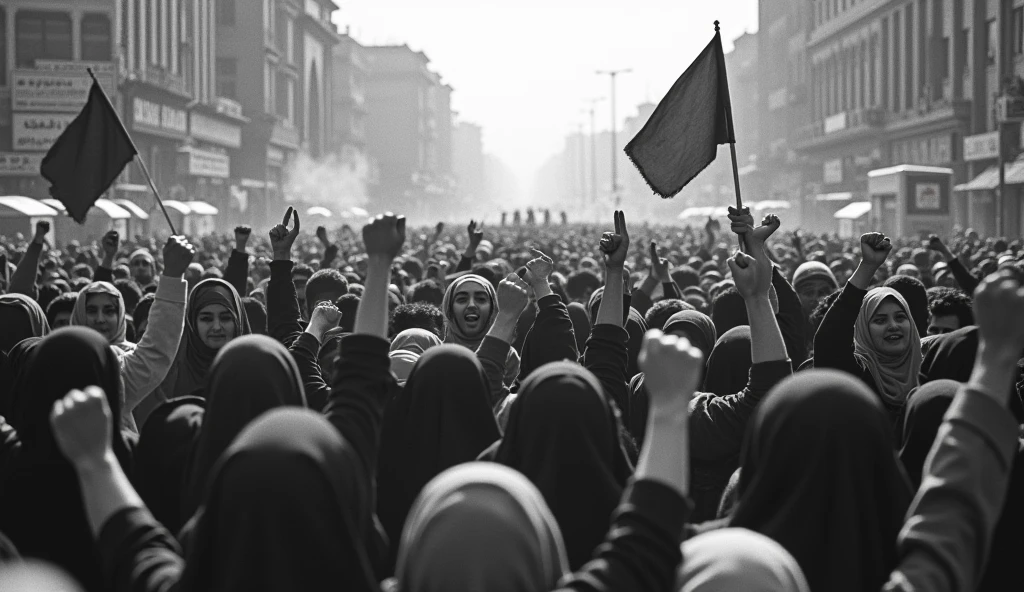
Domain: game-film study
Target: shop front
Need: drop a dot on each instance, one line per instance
(158, 123)
(205, 165)
(979, 196)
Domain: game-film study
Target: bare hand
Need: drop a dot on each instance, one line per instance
(999, 312)
(321, 234)
(242, 234)
(539, 268)
(659, 265)
(874, 248)
(513, 295)
(742, 222)
(178, 254)
(42, 228)
(282, 239)
(81, 426)
(671, 367)
(935, 244)
(325, 317)
(753, 278)
(384, 235)
(111, 242)
(439, 229)
(475, 236)
(615, 245)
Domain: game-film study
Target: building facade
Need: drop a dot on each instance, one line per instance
(45, 48)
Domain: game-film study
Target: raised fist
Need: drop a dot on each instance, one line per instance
(178, 254)
(384, 235)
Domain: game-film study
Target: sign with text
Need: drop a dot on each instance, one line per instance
(54, 91)
(204, 163)
(36, 132)
(161, 120)
(20, 164)
(928, 195)
(981, 146)
(211, 129)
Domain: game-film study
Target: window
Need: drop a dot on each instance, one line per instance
(897, 104)
(991, 41)
(226, 13)
(41, 36)
(1017, 22)
(227, 77)
(96, 45)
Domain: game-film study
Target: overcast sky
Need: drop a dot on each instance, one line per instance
(523, 69)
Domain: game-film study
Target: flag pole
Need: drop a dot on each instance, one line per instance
(732, 153)
(141, 162)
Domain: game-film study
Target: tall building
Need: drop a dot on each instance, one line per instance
(408, 130)
(277, 63)
(468, 162)
(45, 47)
(348, 139)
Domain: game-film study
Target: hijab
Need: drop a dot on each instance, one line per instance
(738, 560)
(287, 508)
(166, 442)
(563, 435)
(894, 375)
(13, 372)
(696, 326)
(252, 374)
(728, 366)
(480, 526)
(21, 317)
(78, 314)
(192, 362)
(635, 327)
(42, 485)
(406, 349)
(821, 479)
(580, 324)
(441, 417)
(453, 333)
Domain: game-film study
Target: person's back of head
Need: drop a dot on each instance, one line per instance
(728, 310)
(78, 283)
(60, 309)
(418, 315)
(131, 293)
(916, 295)
(581, 284)
(427, 291)
(348, 304)
(47, 292)
(685, 277)
(662, 310)
(257, 314)
(82, 270)
(211, 272)
(326, 284)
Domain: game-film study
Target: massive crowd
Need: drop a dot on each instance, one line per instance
(529, 407)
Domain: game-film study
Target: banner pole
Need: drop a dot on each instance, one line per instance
(137, 159)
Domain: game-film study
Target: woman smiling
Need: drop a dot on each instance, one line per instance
(470, 307)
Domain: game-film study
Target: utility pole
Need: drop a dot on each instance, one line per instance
(581, 155)
(593, 151)
(615, 180)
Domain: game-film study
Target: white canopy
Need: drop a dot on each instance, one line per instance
(112, 210)
(319, 211)
(202, 208)
(135, 210)
(177, 206)
(853, 211)
(16, 206)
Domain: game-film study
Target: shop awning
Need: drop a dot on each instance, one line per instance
(112, 210)
(319, 211)
(840, 196)
(770, 205)
(202, 208)
(987, 179)
(853, 211)
(136, 211)
(747, 170)
(16, 206)
(177, 206)
(132, 187)
(696, 212)
(357, 211)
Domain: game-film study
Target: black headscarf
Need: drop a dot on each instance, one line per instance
(49, 522)
(12, 379)
(441, 418)
(728, 366)
(251, 375)
(288, 507)
(166, 443)
(580, 324)
(21, 317)
(635, 327)
(926, 406)
(563, 434)
(820, 478)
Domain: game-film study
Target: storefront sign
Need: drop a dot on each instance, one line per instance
(209, 129)
(932, 150)
(927, 196)
(53, 91)
(981, 146)
(36, 132)
(161, 120)
(19, 164)
(835, 123)
(204, 163)
(833, 171)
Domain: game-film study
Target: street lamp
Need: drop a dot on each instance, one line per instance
(612, 74)
(593, 150)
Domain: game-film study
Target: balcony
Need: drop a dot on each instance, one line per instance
(938, 113)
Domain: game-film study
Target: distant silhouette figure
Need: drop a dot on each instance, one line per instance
(515, 218)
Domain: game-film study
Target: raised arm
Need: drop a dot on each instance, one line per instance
(475, 236)
(330, 249)
(791, 318)
(306, 350)
(362, 378)
(284, 321)
(110, 243)
(946, 540)
(24, 279)
(833, 343)
(551, 338)
(513, 298)
(964, 278)
(641, 550)
(237, 271)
